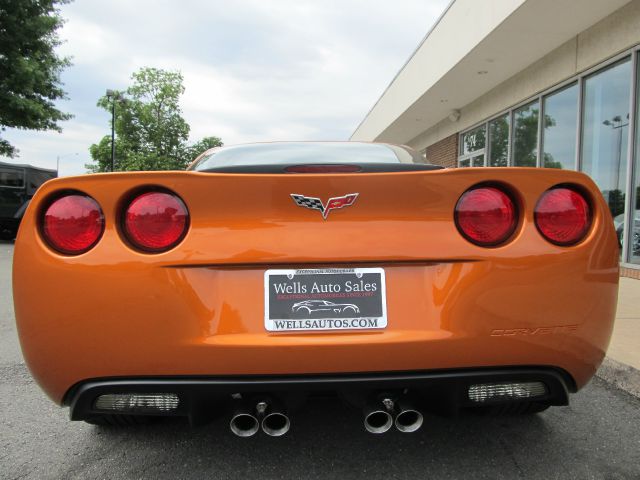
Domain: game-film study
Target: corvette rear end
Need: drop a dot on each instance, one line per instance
(403, 288)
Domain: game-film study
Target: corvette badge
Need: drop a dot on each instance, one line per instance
(332, 204)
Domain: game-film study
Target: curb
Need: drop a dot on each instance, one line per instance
(620, 375)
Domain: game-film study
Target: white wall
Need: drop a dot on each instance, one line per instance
(614, 34)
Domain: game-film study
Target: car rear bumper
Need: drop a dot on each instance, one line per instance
(153, 322)
(198, 396)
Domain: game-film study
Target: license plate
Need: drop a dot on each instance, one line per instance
(324, 299)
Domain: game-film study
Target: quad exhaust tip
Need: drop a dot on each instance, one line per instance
(409, 420)
(381, 416)
(244, 425)
(247, 421)
(377, 416)
(275, 424)
(378, 421)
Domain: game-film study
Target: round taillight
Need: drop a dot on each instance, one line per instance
(156, 221)
(563, 216)
(73, 224)
(486, 216)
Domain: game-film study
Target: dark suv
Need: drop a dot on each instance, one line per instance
(18, 183)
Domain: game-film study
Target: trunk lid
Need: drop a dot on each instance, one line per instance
(253, 219)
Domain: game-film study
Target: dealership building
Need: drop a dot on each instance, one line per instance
(528, 83)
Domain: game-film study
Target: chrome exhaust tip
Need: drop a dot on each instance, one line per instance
(377, 416)
(244, 424)
(378, 421)
(275, 424)
(409, 420)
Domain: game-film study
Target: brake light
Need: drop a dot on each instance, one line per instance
(156, 221)
(486, 216)
(73, 224)
(323, 168)
(563, 216)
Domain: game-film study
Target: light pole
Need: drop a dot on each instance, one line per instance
(58, 161)
(114, 96)
(617, 123)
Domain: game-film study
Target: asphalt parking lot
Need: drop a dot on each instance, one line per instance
(597, 436)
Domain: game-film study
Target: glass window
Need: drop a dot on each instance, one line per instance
(473, 140)
(477, 161)
(499, 141)
(299, 153)
(634, 247)
(465, 162)
(525, 137)
(11, 177)
(635, 229)
(604, 133)
(560, 126)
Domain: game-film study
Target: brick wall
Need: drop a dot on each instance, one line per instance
(630, 272)
(444, 152)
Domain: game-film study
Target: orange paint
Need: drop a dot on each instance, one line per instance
(198, 309)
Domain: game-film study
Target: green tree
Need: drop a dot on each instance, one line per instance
(29, 67)
(203, 145)
(499, 138)
(526, 139)
(150, 131)
(550, 162)
(615, 200)
(525, 136)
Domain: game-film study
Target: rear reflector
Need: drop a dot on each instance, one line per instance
(563, 216)
(156, 221)
(323, 169)
(73, 224)
(138, 402)
(486, 216)
(506, 391)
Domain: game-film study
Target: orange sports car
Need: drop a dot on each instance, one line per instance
(267, 273)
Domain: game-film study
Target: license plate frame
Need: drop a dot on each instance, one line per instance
(293, 299)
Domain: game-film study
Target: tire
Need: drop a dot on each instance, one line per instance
(120, 420)
(515, 408)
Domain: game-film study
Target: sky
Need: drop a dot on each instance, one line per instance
(253, 70)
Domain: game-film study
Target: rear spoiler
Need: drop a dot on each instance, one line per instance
(325, 168)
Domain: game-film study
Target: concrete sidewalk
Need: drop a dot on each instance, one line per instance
(625, 343)
(622, 365)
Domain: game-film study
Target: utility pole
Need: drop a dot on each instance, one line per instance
(114, 96)
(113, 135)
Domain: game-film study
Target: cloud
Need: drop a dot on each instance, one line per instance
(43, 148)
(253, 70)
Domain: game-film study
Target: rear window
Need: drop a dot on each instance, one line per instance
(304, 153)
(11, 177)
